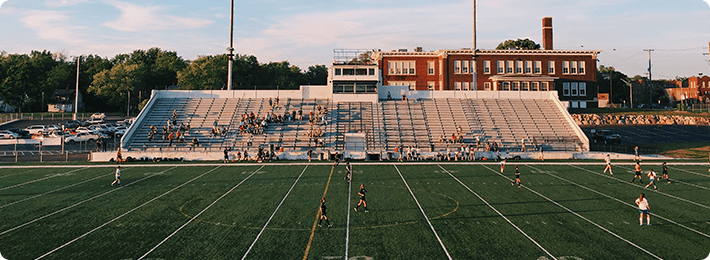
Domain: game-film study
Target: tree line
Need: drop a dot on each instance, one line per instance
(28, 81)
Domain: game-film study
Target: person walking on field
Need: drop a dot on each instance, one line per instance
(637, 167)
(323, 214)
(644, 208)
(502, 165)
(651, 180)
(118, 176)
(349, 168)
(517, 177)
(608, 164)
(665, 172)
(362, 198)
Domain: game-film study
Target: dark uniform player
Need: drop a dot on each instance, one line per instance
(323, 214)
(349, 168)
(337, 159)
(665, 172)
(637, 167)
(362, 198)
(517, 177)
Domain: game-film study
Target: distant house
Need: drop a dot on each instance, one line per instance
(694, 90)
(64, 101)
(6, 108)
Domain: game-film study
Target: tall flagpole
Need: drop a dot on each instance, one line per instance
(231, 46)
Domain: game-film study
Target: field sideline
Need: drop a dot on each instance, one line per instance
(446, 210)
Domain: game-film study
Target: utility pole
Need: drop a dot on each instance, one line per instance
(230, 56)
(650, 81)
(611, 86)
(474, 66)
(76, 95)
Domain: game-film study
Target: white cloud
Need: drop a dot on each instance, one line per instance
(62, 3)
(52, 25)
(150, 18)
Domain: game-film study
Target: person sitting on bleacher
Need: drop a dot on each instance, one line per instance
(195, 143)
(453, 138)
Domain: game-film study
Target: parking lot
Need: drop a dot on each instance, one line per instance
(75, 148)
(655, 134)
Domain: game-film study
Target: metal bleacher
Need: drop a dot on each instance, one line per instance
(509, 121)
(385, 125)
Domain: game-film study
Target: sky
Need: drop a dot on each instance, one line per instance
(305, 32)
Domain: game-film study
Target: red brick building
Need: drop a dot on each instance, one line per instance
(571, 72)
(697, 90)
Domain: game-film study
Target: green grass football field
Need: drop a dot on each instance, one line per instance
(416, 211)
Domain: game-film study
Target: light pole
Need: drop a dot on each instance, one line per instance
(231, 47)
(76, 94)
(631, 93)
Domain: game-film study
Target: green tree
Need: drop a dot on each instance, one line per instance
(114, 84)
(207, 72)
(619, 89)
(17, 78)
(316, 75)
(518, 44)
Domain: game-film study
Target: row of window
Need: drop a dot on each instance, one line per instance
(502, 67)
(354, 87)
(523, 86)
(401, 67)
(574, 89)
(354, 71)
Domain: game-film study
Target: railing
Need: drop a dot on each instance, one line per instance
(699, 108)
(557, 144)
(7, 117)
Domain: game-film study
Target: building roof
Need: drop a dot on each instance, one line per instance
(379, 54)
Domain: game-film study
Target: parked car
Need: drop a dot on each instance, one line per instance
(96, 120)
(84, 129)
(120, 131)
(53, 128)
(21, 132)
(34, 129)
(57, 133)
(81, 137)
(605, 136)
(7, 134)
(73, 124)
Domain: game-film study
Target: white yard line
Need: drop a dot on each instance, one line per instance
(81, 202)
(126, 213)
(496, 210)
(578, 215)
(622, 202)
(55, 190)
(686, 183)
(41, 179)
(205, 209)
(683, 170)
(641, 187)
(31, 170)
(347, 225)
(274, 213)
(422, 210)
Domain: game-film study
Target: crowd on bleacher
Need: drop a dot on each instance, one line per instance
(171, 132)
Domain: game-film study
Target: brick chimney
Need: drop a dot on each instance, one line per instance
(547, 33)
